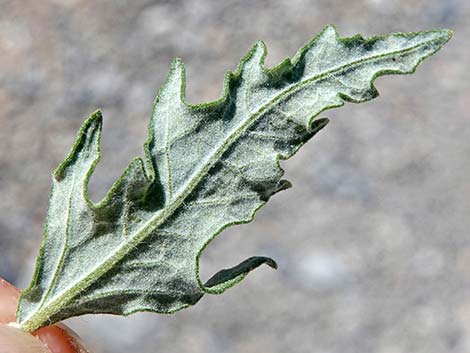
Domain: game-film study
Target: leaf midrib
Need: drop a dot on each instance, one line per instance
(160, 217)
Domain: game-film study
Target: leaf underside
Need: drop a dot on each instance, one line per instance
(206, 167)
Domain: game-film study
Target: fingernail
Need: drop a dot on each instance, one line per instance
(74, 338)
(56, 339)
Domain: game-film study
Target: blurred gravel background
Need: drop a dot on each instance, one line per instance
(372, 240)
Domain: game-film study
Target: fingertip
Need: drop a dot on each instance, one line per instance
(56, 338)
(74, 339)
(13, 340)
(9, 295)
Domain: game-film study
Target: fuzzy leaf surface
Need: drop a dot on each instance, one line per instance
(206, 167)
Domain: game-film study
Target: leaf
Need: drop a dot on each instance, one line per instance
(206, 167)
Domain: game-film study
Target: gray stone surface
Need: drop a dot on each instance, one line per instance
(372, 240)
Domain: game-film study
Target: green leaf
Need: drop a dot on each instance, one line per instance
(206, 167)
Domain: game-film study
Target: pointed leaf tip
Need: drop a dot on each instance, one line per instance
(97, 114)
(178, 65)
(252, 62)
(446, 34)
(330, 30)
(259, 49)
(227, 278)
(173, 88)
(88, 139)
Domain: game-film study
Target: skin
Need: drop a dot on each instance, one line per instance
(50, 339)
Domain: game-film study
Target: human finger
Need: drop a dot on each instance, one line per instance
(58, 338)
(8, 301)
(13, 340)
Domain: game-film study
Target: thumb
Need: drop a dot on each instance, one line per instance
(13, 340)
(55, 338)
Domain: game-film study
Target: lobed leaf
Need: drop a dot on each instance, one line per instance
(206, 167)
